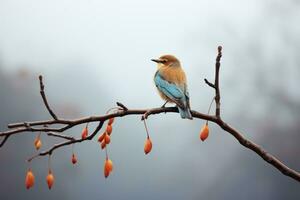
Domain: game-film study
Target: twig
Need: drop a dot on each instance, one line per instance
(209, 83)
(45, 99)
(122, 106)
(4, 140)
(60, 136)
(217, 88)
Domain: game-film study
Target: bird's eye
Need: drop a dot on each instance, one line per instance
(164, 61)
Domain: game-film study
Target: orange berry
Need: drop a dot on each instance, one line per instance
(106, 173)
(74, 159)
(29, 180)
(50, 179)
(37, 143)
(108, 167)
(108, 129)
(107, 139)
(204, 132)
(147, 146)
(101, 137)
(111, 121)
(84, 133)
(103, 144)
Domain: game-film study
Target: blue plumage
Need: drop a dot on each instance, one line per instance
(176, 93)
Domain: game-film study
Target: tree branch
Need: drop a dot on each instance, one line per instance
(4, 140)
(60, 136)
(209, 83)
(217, 87)
(66, 124)
(44, 98)
(75, 122)
(73, 141)
(260, 151)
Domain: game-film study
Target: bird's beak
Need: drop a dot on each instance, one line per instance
(157, 60)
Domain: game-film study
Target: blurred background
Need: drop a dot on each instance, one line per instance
(94, 53)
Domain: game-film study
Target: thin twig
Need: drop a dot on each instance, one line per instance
(60, 136)
(122, 106)
(4, 140)
(45, 99)
(209, 83)
(217, 88)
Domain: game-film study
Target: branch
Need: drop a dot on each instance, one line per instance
(21, 128)
(122, 106)
(260, 151)
(209, 83)
(60, 136)
(50, 151)
(44, 98)
(66, 124)
(4, 140)
(216, 86)
(242, 140)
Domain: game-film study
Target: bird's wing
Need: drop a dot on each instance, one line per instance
(170, 90)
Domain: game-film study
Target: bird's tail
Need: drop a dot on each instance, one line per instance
(185, 113)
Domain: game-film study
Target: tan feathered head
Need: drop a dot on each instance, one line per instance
(167, 60)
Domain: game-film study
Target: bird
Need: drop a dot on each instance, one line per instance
(171, 83)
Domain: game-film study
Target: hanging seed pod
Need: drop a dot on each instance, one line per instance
(37, 143)
(204, 132)
(111, 121)
(74, 159)
(29, 180)
(108, 129)
(147, 146)
(101, 137)
(107, 139)
(50, 179)
(103, 144)
(84, 133)
(108, 167)
(106, 172)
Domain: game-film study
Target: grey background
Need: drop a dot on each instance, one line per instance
(94, 53)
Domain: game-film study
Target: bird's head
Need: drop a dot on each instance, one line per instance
(167, 60)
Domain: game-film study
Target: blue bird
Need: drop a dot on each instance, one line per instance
(170, 81)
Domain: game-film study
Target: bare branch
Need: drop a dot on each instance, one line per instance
(45, 99)
(50, 151)
(4, 140)
(75, 122)
(65, 124)
(209, 83)
(260, 151)
(122, 106)
(60, 136)
(217, 88)
(37, 123)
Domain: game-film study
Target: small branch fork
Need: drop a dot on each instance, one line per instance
(216, 86)
(66, 124)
